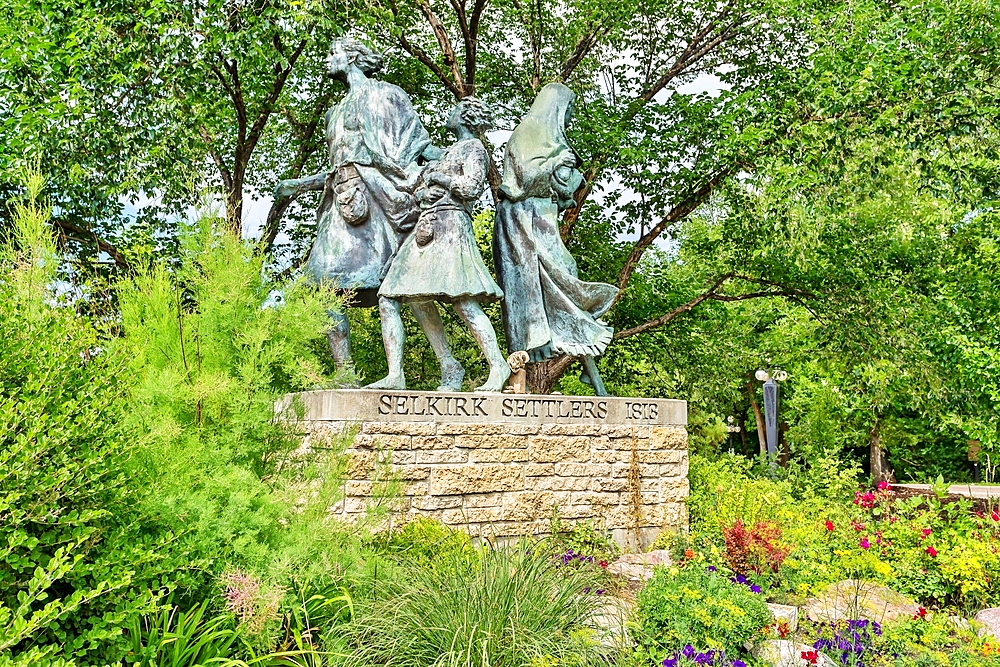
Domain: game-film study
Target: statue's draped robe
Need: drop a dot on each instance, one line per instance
(376, 129)
(547, 309)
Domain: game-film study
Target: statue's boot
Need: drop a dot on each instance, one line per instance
(339, 340)
(452, 374)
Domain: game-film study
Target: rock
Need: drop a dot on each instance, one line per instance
(638, 567)
(990, 621)
(783, 612)
(610, 622)
(851, 599)
(786, 653)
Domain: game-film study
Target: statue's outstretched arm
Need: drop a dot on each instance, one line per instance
(293, 187)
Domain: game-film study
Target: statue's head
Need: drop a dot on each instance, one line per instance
(473, 114)
(348, 51)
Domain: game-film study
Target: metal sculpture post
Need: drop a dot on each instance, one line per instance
(771, 403)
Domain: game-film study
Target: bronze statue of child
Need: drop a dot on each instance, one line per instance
(440, 261)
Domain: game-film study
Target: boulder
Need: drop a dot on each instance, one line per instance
(638, 567)
(786, 653)
(989, 619)
(610, 622)
(852, 599)
(783, 612)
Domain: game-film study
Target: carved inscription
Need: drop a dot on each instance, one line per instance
(432, 406)
(554, 408)
(424, 406)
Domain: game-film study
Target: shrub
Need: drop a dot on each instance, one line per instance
(512, 607)
(75, 551)
(211, 350)
(756, 550)
(691, 606)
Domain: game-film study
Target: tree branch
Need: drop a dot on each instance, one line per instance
(683, 308)
(678, 212)
(68, 228)
(281, 76)
(712, 294)
(430, 64)
(445, 43)
(583, 47)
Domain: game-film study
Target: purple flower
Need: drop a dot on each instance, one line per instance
(688, 651)
(599, 591)
(739, 663)
(755, 588)
(711, 568)
(587, 589)
(670, 662)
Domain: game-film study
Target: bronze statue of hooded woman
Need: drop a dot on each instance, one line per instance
(547, 310)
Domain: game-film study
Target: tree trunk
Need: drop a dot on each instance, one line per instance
(758, 417)
(542, 376)
(881, 471)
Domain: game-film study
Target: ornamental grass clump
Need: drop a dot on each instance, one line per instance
(512, 607)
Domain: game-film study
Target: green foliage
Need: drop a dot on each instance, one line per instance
(212, 349)
(512, 606)
(175, 638)
(689, 605)
(424, 540)
(74, 547)
(581, 537)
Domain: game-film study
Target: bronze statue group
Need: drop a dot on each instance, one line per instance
(394, 226)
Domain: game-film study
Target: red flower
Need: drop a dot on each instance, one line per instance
(857, 526)
(884, 486)
(603, 564)
(921, 613)
(829, 525)
(812, 657)
(932, 551)
(924, 533)
(995, 515)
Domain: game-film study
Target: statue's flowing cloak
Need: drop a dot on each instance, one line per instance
(547, 309)
(376, 129)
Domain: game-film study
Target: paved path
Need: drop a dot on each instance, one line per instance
(968, 490)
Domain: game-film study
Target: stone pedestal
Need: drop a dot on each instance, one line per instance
(500, 465)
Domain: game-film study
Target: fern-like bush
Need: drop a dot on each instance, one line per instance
(212, 345)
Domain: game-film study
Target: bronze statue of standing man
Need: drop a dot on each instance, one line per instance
(376, 146)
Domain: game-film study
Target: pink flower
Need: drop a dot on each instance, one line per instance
(884, 486)
(995, 515)
(829, 525)
(924, 533)
(932, 552)
(864, 543)
(857, 526)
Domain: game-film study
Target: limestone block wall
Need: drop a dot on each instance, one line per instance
(506, 479)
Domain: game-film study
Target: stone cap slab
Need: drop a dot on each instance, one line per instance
(368, 405)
